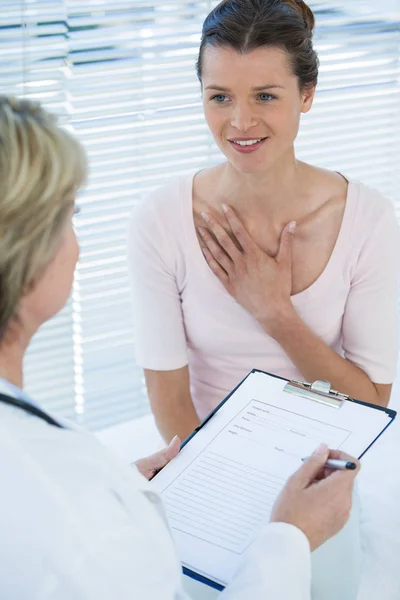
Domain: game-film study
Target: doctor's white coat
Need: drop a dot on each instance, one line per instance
(77, 524)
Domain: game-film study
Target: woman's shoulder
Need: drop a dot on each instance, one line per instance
(364, 205)
(369, 219)
(370, 205)
(163, 204)
(360, 196)
(374, 231)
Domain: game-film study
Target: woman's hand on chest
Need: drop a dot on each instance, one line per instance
(263, 280)
(261, 283)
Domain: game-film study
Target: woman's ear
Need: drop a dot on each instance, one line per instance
(307, 99)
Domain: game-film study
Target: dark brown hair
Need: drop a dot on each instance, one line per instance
(248, 24)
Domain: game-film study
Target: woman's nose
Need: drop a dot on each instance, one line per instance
(243, 118)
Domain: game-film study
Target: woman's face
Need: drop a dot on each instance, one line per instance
(50, 293)
(252, 104)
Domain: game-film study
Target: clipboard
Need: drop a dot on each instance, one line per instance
(319, 391)
(322, 396)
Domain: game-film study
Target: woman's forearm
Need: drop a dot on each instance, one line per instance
(171, 402)
(317, 361)
(174, 419)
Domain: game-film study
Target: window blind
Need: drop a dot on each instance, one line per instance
(121, 75)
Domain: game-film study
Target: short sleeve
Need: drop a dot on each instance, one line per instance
(370, 323)
(160, 340)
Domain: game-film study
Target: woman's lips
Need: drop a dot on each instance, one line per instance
(248, 145)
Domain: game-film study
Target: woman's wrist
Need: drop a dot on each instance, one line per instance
(281, 323)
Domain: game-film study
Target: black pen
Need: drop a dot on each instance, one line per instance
(334, 463)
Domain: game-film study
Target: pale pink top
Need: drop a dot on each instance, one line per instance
(183, 314)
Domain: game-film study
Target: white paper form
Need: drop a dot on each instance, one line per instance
(219, 491)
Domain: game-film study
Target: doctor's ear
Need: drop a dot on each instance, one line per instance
(307, 99)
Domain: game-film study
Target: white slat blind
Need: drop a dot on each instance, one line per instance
(33, 62)
(121, 73)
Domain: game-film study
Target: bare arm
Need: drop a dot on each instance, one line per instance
(316, 360)
(171, 402)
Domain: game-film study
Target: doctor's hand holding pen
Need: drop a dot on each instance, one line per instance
(317, 499)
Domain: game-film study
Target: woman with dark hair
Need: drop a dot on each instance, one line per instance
(302, 263)
(262, 261)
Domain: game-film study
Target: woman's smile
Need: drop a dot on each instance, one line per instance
(247, 145)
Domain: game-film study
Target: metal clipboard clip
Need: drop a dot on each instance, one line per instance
(319, 391)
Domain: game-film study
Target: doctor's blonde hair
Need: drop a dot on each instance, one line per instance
(41, 168)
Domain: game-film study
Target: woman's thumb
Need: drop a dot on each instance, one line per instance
(285, 247)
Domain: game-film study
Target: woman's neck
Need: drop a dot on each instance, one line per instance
(276, 191)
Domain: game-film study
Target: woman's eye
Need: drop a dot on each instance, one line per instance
(266, 97)
(219, 98)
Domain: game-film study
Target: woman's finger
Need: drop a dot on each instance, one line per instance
(218, 253)
(222, 236)
(238, 229)
(214, 266)
(284, 255)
